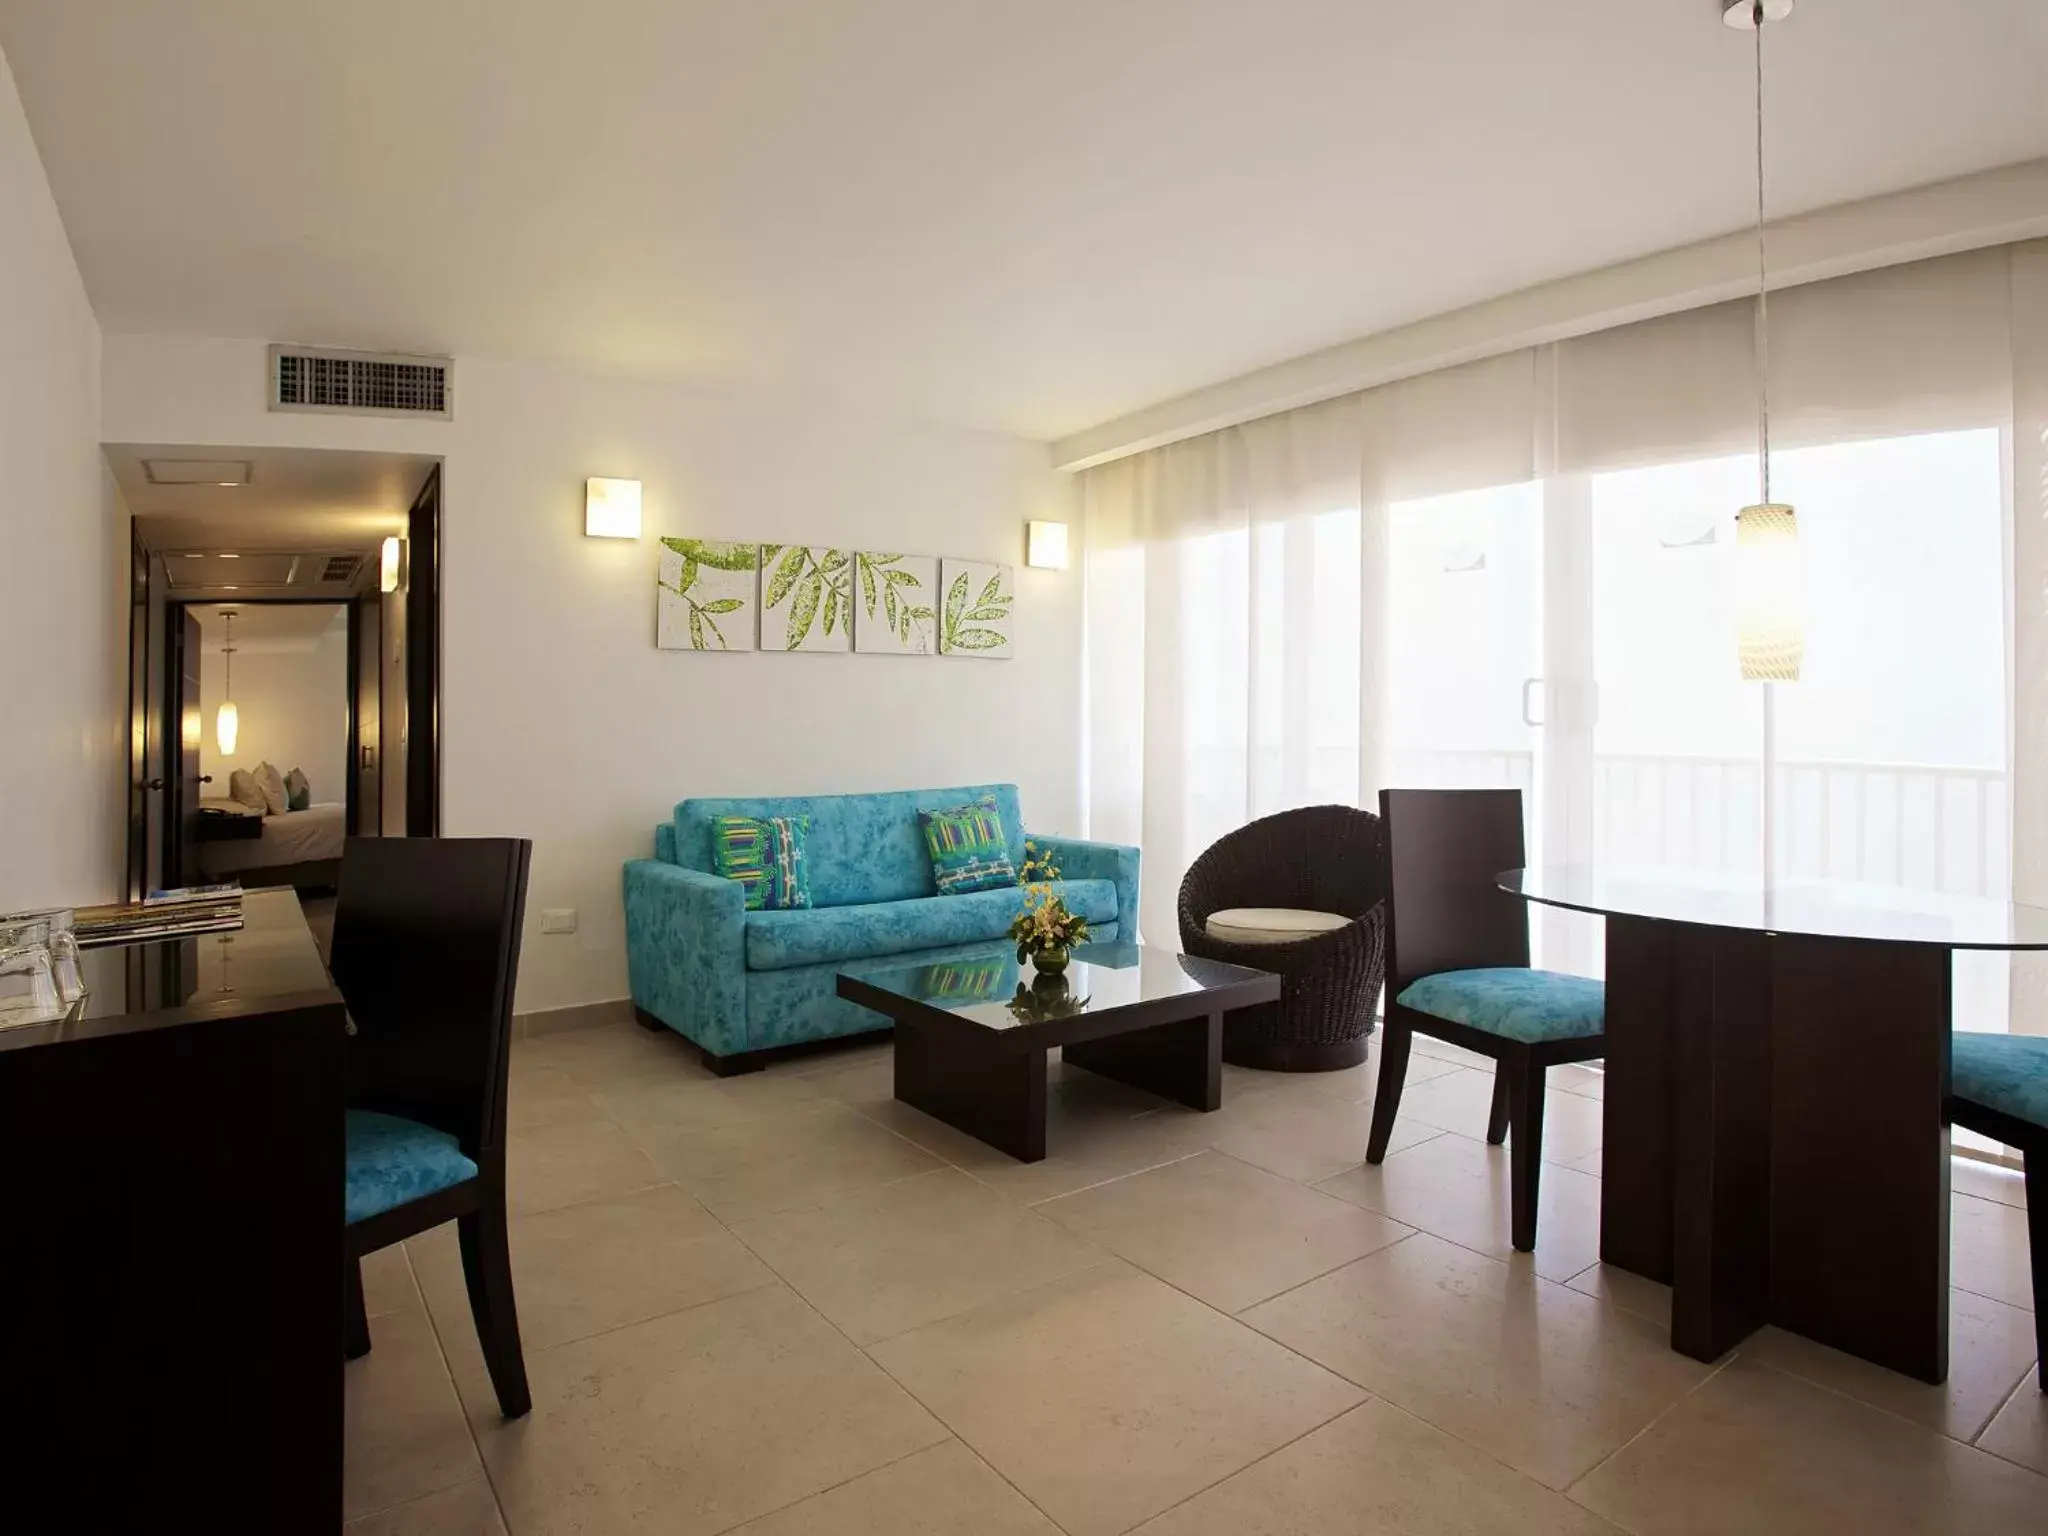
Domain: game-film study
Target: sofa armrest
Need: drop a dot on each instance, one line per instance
(1118, 864)
(686, 952)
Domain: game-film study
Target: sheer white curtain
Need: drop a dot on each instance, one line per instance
(1519, 571)
(2027, 616)
(1222, 610)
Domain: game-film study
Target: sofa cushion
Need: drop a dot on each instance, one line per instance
(969, 848)
(862, 848)
(777, 940)
(766, 857)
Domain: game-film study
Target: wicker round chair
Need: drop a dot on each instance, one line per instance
(1325, 858)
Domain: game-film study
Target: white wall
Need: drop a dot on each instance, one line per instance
(292, 699)
(560, 720)
(63, 560)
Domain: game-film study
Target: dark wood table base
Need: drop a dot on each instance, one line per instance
(988, 1087)
(1182, 1061)
(1776, 1144)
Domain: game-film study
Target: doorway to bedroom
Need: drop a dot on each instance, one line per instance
(284, 680)
(274, 716)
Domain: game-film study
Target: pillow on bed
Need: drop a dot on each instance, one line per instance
(298, 790)
(271, 783)
(243, 791)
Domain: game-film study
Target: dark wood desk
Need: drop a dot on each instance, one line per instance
(170, 1274)
(1776, 1125)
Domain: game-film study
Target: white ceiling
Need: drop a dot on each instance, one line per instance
(1031, 217)
(279, 623)
(295, 498)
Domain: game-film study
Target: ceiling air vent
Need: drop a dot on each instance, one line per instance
(377, 383)
(341, 568)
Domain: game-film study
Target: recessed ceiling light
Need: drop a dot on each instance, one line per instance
(229, 587)
(213, 472)
(230, 557)
(195, 557)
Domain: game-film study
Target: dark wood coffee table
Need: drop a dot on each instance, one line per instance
(972, 1032)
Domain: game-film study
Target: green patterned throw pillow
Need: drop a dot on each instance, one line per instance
(766, 855)
(968, 848)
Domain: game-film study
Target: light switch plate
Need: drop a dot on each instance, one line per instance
(558, 920)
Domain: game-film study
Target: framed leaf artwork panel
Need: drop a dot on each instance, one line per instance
(707, 595)
(895, 600)
(806, 598)
(975, 608)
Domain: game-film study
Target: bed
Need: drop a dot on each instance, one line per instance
(296, 848)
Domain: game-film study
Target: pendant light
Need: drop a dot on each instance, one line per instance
(227, 720)
(1771, 639)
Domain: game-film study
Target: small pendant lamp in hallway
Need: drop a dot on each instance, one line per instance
(227, 720)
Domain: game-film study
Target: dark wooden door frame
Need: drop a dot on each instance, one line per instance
(136, 876)
(159, 826)
(358, 606)
(423, 661)
(183, 782)
(174, 614)
(152, 613)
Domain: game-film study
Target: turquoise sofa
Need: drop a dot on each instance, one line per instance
(740, 983)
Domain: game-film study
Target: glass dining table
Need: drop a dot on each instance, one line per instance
(1776, 1133)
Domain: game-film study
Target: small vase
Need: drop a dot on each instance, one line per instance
(1050, 962)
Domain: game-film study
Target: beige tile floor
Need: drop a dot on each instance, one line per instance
(786, 1305)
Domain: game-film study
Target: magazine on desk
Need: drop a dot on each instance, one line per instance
(161, 915)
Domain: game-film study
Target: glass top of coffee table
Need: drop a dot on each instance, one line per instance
(991, 988)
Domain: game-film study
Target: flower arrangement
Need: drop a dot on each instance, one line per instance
(1046, 999)
(1046, 930)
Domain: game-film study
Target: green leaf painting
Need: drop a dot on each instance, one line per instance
(707, 593)
(895, 613)
(807, 598)
(975, 617)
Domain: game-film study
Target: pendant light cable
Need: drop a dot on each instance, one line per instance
(1763, 292)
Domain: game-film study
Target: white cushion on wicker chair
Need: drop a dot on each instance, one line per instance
(1271, 925)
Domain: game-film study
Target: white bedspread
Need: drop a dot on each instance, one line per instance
(295, 837)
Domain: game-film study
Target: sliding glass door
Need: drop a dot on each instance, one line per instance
(1465, 639)
(1575, 638)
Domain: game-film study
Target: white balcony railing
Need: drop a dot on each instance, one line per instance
(1923, 825)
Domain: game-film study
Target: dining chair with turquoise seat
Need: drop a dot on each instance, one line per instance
(1998, 1087)
(426, 950)
(1458, 971)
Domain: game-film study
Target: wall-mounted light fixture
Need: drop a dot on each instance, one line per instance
(1045, 546)
(611, 509)
(387, 563)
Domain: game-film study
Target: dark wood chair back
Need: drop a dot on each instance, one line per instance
(426, 951)
(1445, 851)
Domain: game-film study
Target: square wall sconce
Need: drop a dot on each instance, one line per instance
(388, 559)
(1045, 546)
(611, 509)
